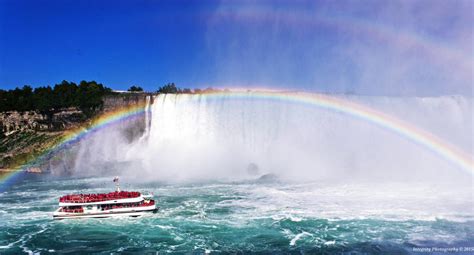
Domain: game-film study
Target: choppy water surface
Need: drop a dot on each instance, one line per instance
(241, 217)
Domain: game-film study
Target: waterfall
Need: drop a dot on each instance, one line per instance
(198, 137)
(147, 118)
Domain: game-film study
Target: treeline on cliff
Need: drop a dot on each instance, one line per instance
(171, 88)
(86, 96)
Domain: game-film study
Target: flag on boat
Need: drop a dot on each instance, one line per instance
(116, 179)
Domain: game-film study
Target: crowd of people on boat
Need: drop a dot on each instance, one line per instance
(90, 198)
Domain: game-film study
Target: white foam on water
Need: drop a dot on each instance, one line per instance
(298, 237)
(330, 243)
(355, 201)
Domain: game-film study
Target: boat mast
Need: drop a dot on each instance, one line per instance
(117, 184)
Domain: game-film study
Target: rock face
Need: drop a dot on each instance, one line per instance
(64, 119)
(24, 135)
(112, 102)
(34, 121)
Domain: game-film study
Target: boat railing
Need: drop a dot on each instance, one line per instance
(127, 205)
(79, 210)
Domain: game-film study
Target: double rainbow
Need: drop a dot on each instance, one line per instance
(457, 157)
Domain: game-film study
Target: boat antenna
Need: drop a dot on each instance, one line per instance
(117, 184)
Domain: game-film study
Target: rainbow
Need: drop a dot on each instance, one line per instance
(418, 136)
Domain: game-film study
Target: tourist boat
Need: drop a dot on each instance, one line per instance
(113, 204)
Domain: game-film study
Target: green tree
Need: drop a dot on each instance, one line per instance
(3, 100)
(169, 88)
(89, 97)
(135, 89)
(65, 94)
(22, 98)
(43, 100)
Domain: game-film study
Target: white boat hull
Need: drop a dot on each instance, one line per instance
(106, 214)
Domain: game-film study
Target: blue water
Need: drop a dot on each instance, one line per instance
(236, 217)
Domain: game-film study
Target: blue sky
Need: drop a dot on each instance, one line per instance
(363, 47)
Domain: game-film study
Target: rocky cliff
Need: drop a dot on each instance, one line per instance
(63, 119)
(14, 121)
(112, 102)
(25, 135)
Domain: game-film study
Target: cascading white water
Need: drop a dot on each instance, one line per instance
(147, 118)
(196, 137)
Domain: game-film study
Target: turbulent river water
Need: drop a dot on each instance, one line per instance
(246, 216)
